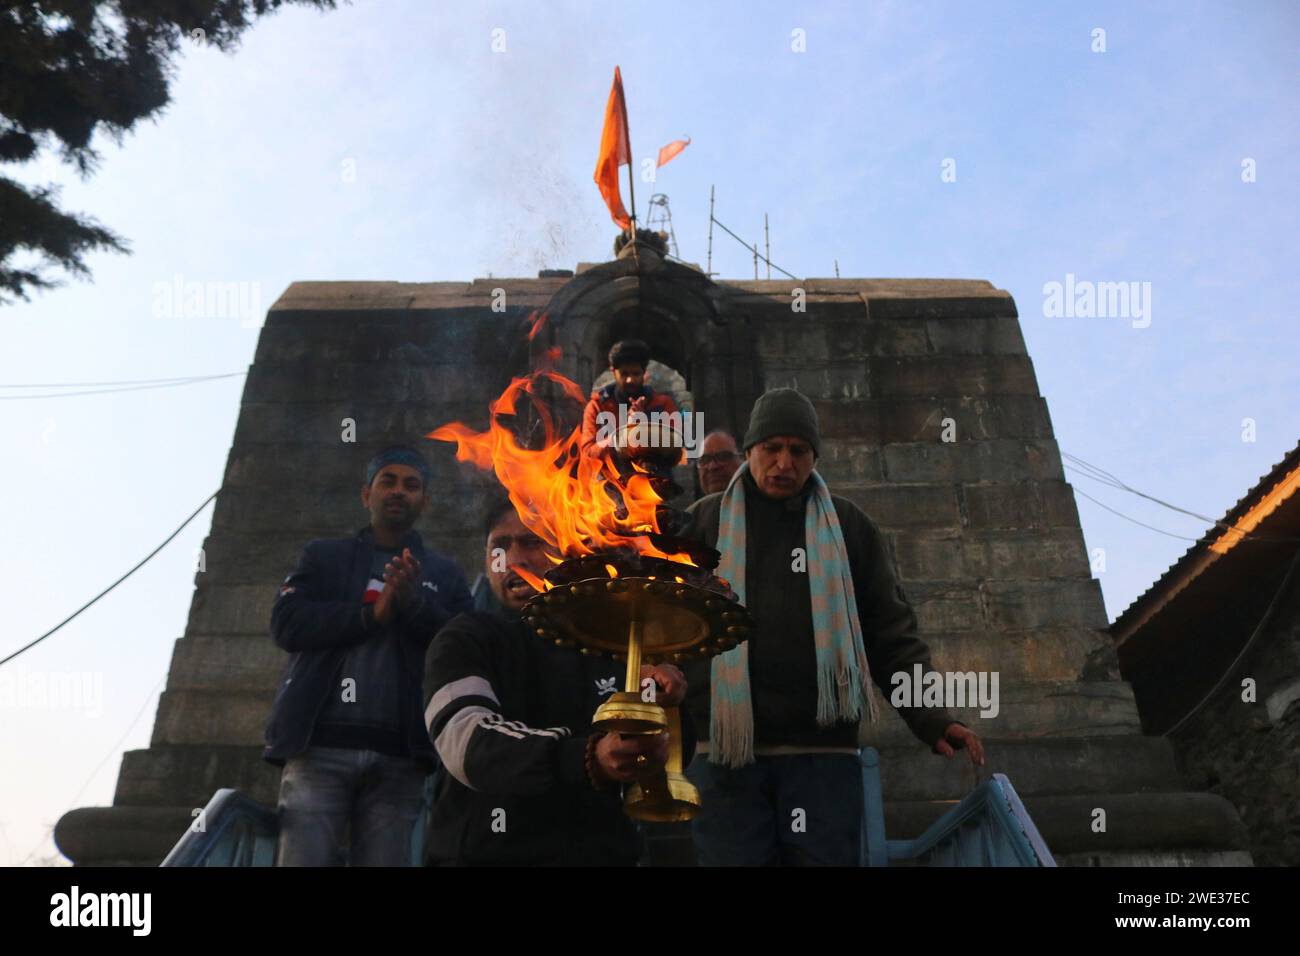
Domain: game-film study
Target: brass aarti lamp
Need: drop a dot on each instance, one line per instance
(648, 610)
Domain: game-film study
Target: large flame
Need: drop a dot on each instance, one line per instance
(560, 494)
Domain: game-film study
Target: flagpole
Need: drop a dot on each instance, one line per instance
(631, 185)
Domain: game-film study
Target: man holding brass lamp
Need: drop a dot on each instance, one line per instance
(527, 782)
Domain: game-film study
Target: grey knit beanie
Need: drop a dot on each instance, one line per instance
(783, 411)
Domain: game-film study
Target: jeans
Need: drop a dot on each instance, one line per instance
(326, 790)
(797, 810)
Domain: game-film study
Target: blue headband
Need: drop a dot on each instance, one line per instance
(398, 455)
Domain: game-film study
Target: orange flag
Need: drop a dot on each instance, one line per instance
(671, 150)
(614, 152)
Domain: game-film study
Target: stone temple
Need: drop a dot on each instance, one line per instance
(983, 528)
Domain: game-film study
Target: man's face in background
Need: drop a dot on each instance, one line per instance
(719, 460)
(510, 544)
(395, 498)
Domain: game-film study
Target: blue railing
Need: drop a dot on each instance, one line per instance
(990, 827)
(236, 830)
(232, 830)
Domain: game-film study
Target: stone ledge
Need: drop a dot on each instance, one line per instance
(1042, 654)
(212, 718)
(1028, 711)
(120, 836)
(974, 554)
(311, 296)
(1041, 766)
(1143, 822)
(173, 776)
(1158, 858)
(881, 288)
(896, 296)
(1006, 603)
(232, 663)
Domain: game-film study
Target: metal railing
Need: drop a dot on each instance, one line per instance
(236, 830)
(990, 827)
(232, 830)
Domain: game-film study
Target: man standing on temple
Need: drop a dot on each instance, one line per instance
(357, 615)
(627, 361)
(781, 783)
(601, 419)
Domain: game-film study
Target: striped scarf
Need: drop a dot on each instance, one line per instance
(843, 678)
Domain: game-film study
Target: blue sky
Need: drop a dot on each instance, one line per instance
(1115, 166)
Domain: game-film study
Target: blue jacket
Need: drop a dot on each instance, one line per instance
(317, 617)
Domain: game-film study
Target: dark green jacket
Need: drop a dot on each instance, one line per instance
(782, 662)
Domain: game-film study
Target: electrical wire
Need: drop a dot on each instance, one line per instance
(1100, 474)
(1134, 520)
(126, 387)
(126, 381)
(138, 566)
(1089, 470)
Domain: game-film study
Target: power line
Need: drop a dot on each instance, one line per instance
(126, 381)
(125, 386)
(1089, 470)
(113, 585)
(1100, 474)
(1134, 520)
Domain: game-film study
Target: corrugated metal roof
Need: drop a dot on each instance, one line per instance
(1171, 576)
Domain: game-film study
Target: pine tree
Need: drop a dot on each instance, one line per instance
(69, 69)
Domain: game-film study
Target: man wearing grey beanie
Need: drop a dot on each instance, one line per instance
(779, 776)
